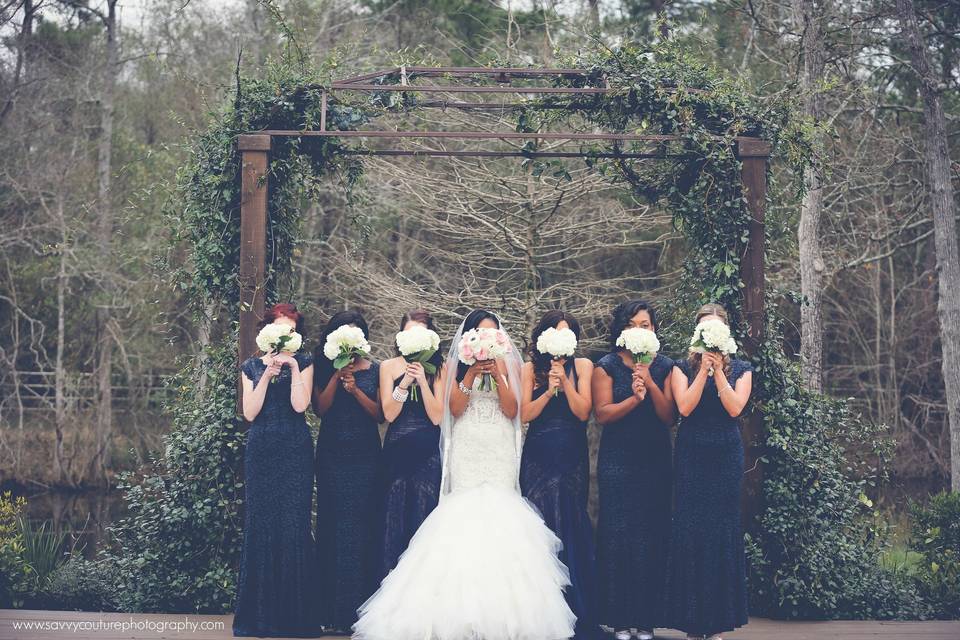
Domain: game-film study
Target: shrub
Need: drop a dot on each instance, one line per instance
(178, 547)
(15, 573)
(81, 585)
(43, 550)
(935, 535)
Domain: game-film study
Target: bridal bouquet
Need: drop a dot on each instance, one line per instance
(642, 343)
(418, 344)
(713, 335)
(483, 344)
(344, 344)
(557, 343)
(277, 338)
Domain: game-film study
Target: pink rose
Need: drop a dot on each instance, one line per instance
(466, 352)
(483, 354)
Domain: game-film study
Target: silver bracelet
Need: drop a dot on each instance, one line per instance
(400, 395)
(296, 384)
(465, 389)
(729, 386)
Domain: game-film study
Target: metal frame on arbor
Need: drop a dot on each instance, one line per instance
(754, 154)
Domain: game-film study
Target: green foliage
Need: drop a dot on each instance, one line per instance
(177, 548)
(81, 585)
(43, 550)
(15, 574)
(206, 215)
(936, 537)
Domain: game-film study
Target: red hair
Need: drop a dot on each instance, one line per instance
(283, 310)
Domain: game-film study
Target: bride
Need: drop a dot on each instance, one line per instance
(483, 565)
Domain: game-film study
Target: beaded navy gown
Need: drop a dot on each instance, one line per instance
(411, 478)
(633, 524)
(275, 592)
(555, 477)
(706, 590)
(348, 457)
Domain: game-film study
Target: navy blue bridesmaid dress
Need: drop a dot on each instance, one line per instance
(706, 589)
(555, 477)
(633, 524)
(275, 592)
(411, 478)
(348, 458)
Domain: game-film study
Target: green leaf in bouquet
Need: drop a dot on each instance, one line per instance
(342, 360)
(424, 356)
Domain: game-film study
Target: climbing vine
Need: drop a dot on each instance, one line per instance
(812, 553)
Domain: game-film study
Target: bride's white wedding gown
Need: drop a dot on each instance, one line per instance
(483, 565)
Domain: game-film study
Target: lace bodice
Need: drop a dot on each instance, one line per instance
(484, 444)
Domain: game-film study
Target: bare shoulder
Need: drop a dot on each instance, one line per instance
(599, 373)
(583, 365)
(393, 364)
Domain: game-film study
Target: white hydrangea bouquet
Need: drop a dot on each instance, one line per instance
(418, 344)
(483, 344)
(344, 344)
(713, 335)
(557, 343)
(642, 343)
(278, 337)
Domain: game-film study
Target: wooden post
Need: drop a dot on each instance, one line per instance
(753, 155)
(255, 156)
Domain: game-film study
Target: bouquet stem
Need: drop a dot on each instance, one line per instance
(556, 392)
(413, 392)
(488, 383)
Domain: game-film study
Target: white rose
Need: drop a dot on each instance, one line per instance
(417, 339)
(270, 334)
(559, 343)
(639, 341)
(294, 343)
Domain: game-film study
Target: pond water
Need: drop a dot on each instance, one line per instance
(83, 514)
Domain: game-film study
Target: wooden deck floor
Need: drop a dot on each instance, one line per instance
(44, 625)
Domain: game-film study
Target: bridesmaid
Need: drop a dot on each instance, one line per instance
(555, 466)
(411, 451)
(275, 592)
(635, 405)
(348, 457)
(706, 590)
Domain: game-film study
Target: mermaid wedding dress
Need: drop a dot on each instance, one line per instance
(483, 565)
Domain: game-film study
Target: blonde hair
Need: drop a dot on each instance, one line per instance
(694, 358)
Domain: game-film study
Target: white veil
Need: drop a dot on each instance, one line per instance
(514, 362)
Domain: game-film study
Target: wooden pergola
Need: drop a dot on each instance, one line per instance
(754, 154)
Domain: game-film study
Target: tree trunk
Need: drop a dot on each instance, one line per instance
(104, 236)
(808, 17)
(937, 168)
(60, 402)
(593, 7)
(23, 42)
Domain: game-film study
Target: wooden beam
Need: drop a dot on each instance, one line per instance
(440, 153)
(754, 155)
(255, 157)
(467, 135)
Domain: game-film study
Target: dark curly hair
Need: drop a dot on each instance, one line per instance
(624, 313)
